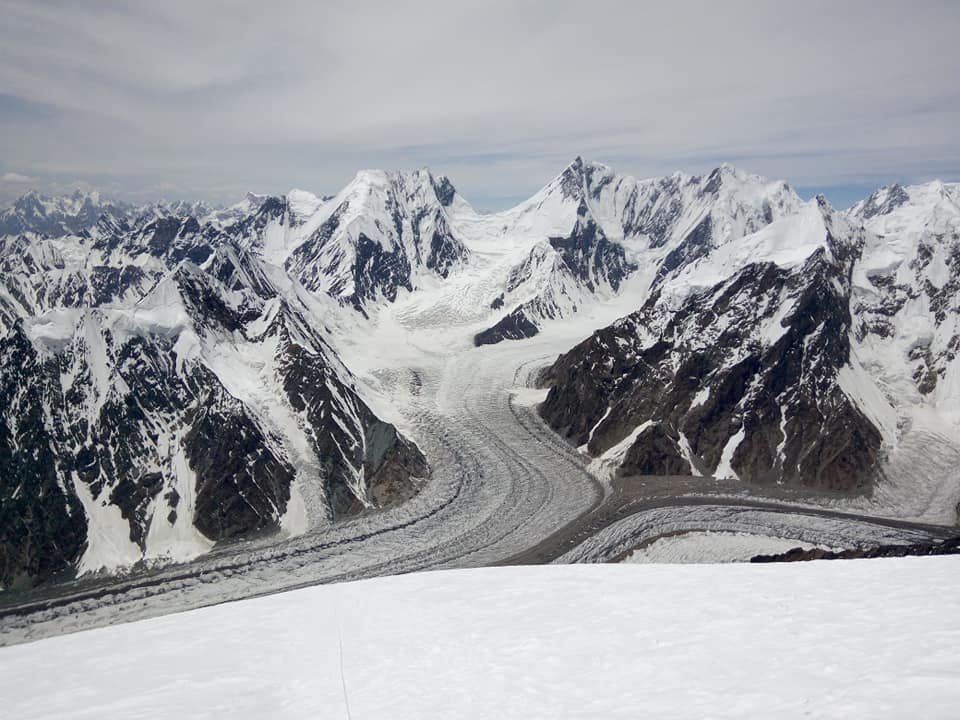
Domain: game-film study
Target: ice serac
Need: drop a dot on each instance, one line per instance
(385, 232)
(737, 363)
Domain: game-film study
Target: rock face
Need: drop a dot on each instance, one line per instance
(947, 547)
(42, 525)
(562, 272)
(907, 288)
(161, 392)
(756, 352)
(379, 236)
(600, 227)
(743, 377)
(516, 325)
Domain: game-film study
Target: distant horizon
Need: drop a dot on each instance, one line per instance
(840, 196)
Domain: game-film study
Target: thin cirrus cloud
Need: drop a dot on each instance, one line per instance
(212, 99)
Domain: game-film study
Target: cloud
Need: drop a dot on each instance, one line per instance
(216, 98)
(16, 178)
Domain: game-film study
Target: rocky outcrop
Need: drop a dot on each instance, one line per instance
(947, 547)
(744, 377)
(155, 414)
(516, 325)
(589, 256)
(365, 464)
(42, 524)
(384, 231)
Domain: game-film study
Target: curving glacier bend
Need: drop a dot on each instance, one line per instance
(346, 340)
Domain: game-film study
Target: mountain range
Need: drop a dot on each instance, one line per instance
(174, 376)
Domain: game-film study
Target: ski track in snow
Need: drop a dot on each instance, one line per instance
(852, 639)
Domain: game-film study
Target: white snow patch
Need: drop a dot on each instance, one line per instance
(528, 397)
(724, 470)
(712, 547)
(179, 541)
(609, 461)
(108, 535)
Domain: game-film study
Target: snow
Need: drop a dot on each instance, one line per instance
(711, 547)
(606, 464)
(179, 541)
(426, 333)
(787, 243)
(724, 468)
(528, 397)
(108, 535)
(851, 639)
(863, 391)
(52, 330)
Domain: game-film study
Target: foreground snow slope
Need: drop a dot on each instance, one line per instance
(854, 639)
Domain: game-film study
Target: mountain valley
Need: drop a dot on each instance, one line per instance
(305, 388)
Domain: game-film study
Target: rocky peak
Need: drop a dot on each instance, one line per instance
(882, 202)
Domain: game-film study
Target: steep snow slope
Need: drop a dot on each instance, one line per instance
(907, 294)
(867, 638)
(591, 236)
(816, 349)
(733, 365)
(213, 407)
(381, 234)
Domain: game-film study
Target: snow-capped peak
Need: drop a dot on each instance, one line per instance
(897, 208)
(55, 216)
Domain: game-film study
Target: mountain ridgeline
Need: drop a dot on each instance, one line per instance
(175, 376)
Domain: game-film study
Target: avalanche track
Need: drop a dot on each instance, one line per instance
(504, 489)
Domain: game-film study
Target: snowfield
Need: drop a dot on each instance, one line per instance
(711, 547)
(845, 639)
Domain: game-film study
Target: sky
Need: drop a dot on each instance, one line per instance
(207, 100)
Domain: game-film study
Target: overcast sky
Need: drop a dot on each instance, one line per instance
(211, 99)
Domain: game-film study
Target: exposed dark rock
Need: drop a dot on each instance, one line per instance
(572, 180)
(109, 414)
(444, 190)
(42, 523)
(695, 245)
(654, 452)
(378, 469)
(894, 197)
(709, 378)
(242, 487)
(947, 547)
(514, 326)
(133, 496)
(589, 256)
(379, 261)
